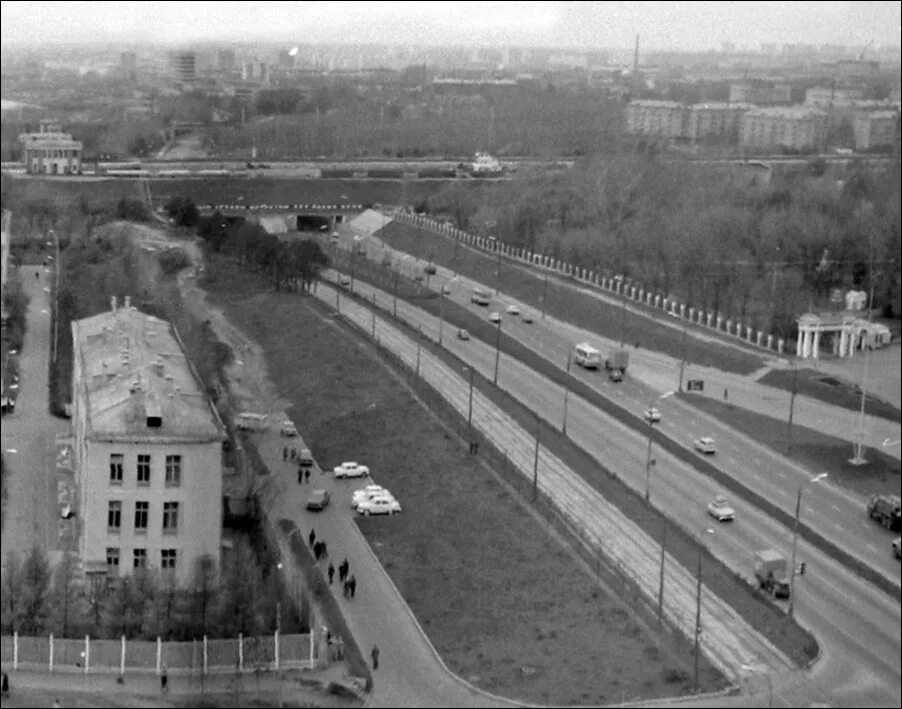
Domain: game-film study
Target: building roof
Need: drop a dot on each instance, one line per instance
(138, 382)
(788, 112)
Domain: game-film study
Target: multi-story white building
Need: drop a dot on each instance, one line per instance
(662, 119)
(798, 128)
(876, 129)
(148, 448)
(50, 151)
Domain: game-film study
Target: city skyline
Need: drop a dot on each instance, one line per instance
(686, 26)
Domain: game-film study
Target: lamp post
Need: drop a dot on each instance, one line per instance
(792, 402)
(544, 294)
(795, 538)
(566, 395)
(683, 355)
(858, 456)
(623, 311)
(56, 292)
(470, 404)
(497, 353)
(535, 462)
(648, 460)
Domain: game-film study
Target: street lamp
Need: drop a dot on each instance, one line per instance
(795, 538)
(566, 395)
(497, 352)
(792, 402)
(648, 460)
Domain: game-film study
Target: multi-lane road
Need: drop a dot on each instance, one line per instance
(847, 614)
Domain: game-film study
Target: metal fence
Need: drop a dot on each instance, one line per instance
(272, 652)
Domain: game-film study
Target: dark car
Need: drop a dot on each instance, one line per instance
(430, 269)
(319, 500)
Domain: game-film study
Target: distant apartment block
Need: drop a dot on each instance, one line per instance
(876, 129)
(672, 120)
(760, 93)
(827, 96)
(50, 151)
(128, 61)
(183, 65)
(225, 60)
(147, 449)
(797, 128)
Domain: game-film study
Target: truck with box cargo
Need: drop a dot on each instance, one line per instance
(772, 572)
(617, 360)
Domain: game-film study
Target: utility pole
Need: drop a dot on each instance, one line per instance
(470, 405)
(497, 353)
(698, 613)
(566, 395)
(623, 312)
(661, 581)
(792, 402)
(683, 357)
(544, 294)
(374, 315)
(535, 462)
(419, 338)
(394, 307)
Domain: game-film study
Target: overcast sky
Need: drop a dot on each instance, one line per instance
(661, 25)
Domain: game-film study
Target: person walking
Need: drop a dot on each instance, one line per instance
(343, 570)
(375, 655)
(352, 585)
(345, 588)
(164, 681)
(331, 572)
(284, 452)
(307, 475)
(312, 537)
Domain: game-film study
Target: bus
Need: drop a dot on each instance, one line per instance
(587, 356)
(481, 296)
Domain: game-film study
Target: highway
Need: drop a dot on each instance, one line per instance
(845, 612)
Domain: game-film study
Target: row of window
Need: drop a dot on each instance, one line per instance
(142, 514)
(173, 469)
(168, 558)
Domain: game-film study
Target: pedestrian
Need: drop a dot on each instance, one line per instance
(343, 569)
(346, 589)
(375, 654)
(340, 648)
(352, 583)
(312, 537)
(331, 573)
(316, 550)
(307, 475)
(284, 452)
(300, 475)
(294, 454)
(164, 681)
(637, 345)
(725, 397)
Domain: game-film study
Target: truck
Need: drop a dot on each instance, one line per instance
(617, 360)
(886, 509)
(771, 571)
(247, 421)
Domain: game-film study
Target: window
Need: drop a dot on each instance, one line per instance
(170, 516)
(112, 558)
(143, 469)
(116, 461)
(114, 516)
(167, 558)
(142, 509)
(173, 470)
(140, 558)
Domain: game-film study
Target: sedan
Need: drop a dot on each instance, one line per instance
(365, 493)
(720, 509)
(513, 309)
(463, 334)
(652, 415)
(705, 444)
(527, 318)
(318, 500)
(351, 470)
(495, 317)
(382, 505)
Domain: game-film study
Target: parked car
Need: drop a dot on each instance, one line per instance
(430, 269)
(345, 281)
(720, 509)
(463, 334)
(495, 317)
(652, 415)
(705, 444)
(351, 469)
(287, 428)
(382, 505)
(526, 317)
(446, 289)
(366, 493)
(318, 500)
(513, 309)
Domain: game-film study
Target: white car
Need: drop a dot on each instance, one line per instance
(527, 318)
(495, 317)
(653, 415)
(381, 505)
(705, 444)
(366, 493)
(287, 428)
(720, 509)
(351, 469)
(513, 310)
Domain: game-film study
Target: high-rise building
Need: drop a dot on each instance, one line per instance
(184, 66)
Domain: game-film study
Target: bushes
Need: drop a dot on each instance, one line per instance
(174, 260)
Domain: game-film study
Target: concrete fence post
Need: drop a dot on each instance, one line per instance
(758, 338)
(276, 651)
(87, 653)
(159, 654)
(719, 322)
(780, 345)
(657, 299)
(51, 654)
(770, 342)
(241, 651)
(682, 310)
(206, 656)
(15, 650)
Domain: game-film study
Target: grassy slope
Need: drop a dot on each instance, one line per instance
(503, 602)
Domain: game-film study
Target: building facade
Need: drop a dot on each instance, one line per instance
(50, 151)
(184, 66)
(661, 119)
(147, 449)
(760, 93)
(796, 128)
(876, 129)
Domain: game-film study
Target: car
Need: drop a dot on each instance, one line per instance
(526, 317)
(495, 317)
(365, 493)
(318, 500)
(897, 547)
(380, 505)
(652, 415)
(705, 444)
(446, 289)
(720, 509)
(430, 269)
(287, 428)
(615, 375)
(345, 281)
(513, 309)
(351, 469)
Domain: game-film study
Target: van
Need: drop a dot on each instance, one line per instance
(246, 421)
(587, 356)
(305, 458)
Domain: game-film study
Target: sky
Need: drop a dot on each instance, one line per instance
(691, 26)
